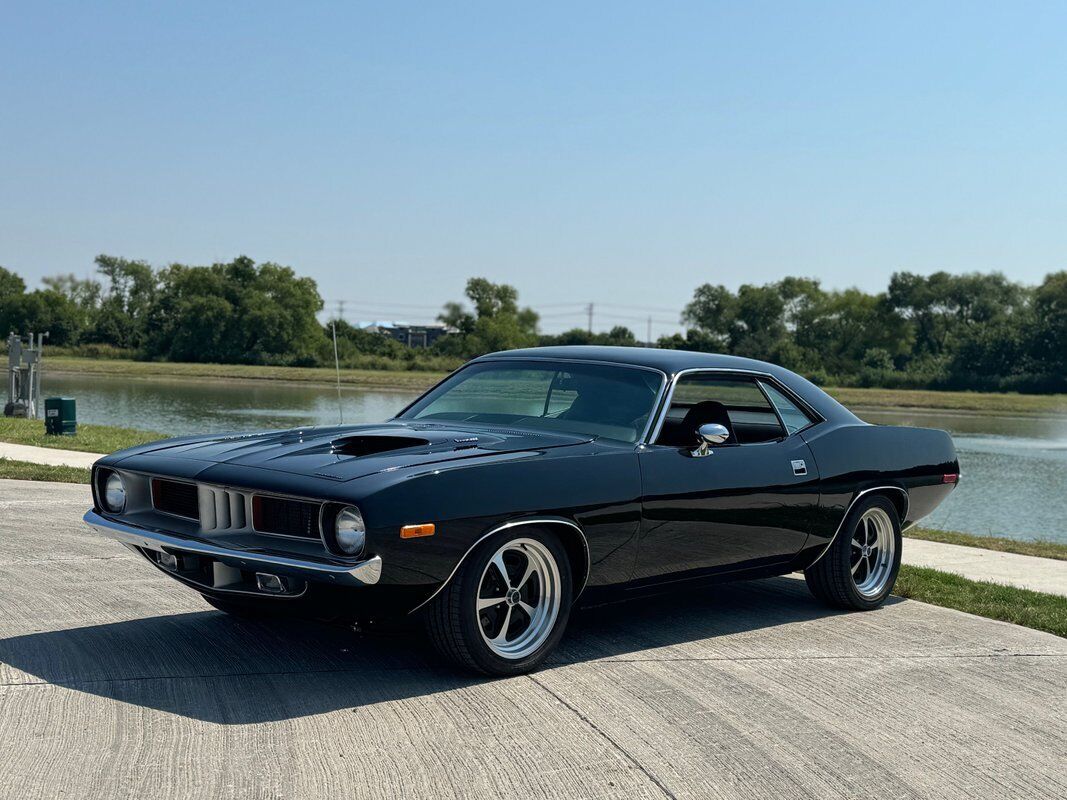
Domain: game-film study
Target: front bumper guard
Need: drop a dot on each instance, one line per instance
(362, 573)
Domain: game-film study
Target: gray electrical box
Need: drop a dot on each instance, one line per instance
(24, 376)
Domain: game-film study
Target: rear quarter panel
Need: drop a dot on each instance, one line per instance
(855, 457)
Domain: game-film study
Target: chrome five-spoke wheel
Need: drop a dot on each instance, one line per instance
(873, 550)
(519, 598)
(507, 605)
(859, 566)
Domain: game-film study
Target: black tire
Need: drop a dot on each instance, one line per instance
(455, 626)
(831, 579)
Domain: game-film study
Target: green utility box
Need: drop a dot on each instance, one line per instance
(60, 416)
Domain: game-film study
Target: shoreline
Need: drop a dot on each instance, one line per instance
(901, 401)
(346, 385)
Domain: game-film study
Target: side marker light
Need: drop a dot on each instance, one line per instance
(415, 531)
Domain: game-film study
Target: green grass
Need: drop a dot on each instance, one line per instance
(89, 439)
(1043, 549)
(1043, 612)
(993, 402)
(24, 471)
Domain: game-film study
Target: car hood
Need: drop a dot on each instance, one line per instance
(346, 452)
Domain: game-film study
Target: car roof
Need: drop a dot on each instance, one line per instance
(672, 362)
(669, 361)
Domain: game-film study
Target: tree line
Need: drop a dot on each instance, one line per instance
(978, 331)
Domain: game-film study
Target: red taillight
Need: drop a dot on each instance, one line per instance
(950, 477)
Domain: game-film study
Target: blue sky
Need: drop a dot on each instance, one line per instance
(615, 153)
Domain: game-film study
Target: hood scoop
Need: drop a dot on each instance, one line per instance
(342, 453)
(372, 445)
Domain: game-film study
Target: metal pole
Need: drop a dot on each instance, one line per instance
(40, 365)
(589, 310)
(337, 367)
(31, 383)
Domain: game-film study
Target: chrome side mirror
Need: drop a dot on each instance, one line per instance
(710, 435)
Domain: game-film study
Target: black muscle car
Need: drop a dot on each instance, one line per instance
(525, 481)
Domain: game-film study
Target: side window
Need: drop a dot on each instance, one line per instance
(793, 417)
(736, 403)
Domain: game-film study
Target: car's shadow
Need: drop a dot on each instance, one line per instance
(209, 666)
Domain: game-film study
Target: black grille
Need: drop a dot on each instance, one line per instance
(285, 517)
(175, 497)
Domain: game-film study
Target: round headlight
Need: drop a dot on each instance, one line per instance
(350, 532)
(114, 493)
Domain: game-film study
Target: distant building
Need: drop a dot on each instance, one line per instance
(408, 334)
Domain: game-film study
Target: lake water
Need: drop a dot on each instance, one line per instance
(1014, 468)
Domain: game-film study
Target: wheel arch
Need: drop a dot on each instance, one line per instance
(897, 495)
(571, 536)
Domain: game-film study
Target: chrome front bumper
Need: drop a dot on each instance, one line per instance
(362, 573)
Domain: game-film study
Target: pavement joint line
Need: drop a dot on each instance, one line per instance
(741, 659)
(599, 731)
(592, 662)
(195, 677)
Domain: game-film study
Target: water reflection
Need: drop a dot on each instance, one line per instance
(189, 406)
(1014, 472)
(1014, 467)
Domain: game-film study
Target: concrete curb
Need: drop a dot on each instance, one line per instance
(48, 455)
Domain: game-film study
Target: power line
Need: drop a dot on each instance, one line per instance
(562, 316)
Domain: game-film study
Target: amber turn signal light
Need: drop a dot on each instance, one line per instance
(415, 531)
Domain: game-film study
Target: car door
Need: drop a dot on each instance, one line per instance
(745, 504)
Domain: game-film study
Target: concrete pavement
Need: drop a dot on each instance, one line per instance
(117, 682)
(1027, 572)
(47, 455)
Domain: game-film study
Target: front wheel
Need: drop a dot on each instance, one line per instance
(860, 567)
(506, 607)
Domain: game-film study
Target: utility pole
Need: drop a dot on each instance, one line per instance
(589, 311)
(341, 310)
(648, 339)
(337, 367)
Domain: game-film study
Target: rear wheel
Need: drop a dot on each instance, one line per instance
(860, 568)
(506, 607)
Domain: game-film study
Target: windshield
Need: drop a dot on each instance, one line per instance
(589, 399)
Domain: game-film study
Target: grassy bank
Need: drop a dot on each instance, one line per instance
(986, 402)
(364, 378)
(1041, 549)
(1043, 612)
(24, 471)
(89, 439)
(408, 380)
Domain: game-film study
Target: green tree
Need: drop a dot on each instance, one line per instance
(940, 307)
(1049, 341)
(42, 311)
(121, 318)
(497, 322)
(842, 332)
(618, 336)
(83, 292)
(235, 312)
(11, 284)
(751, 323)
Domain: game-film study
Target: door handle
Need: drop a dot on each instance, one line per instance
(799, 467)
